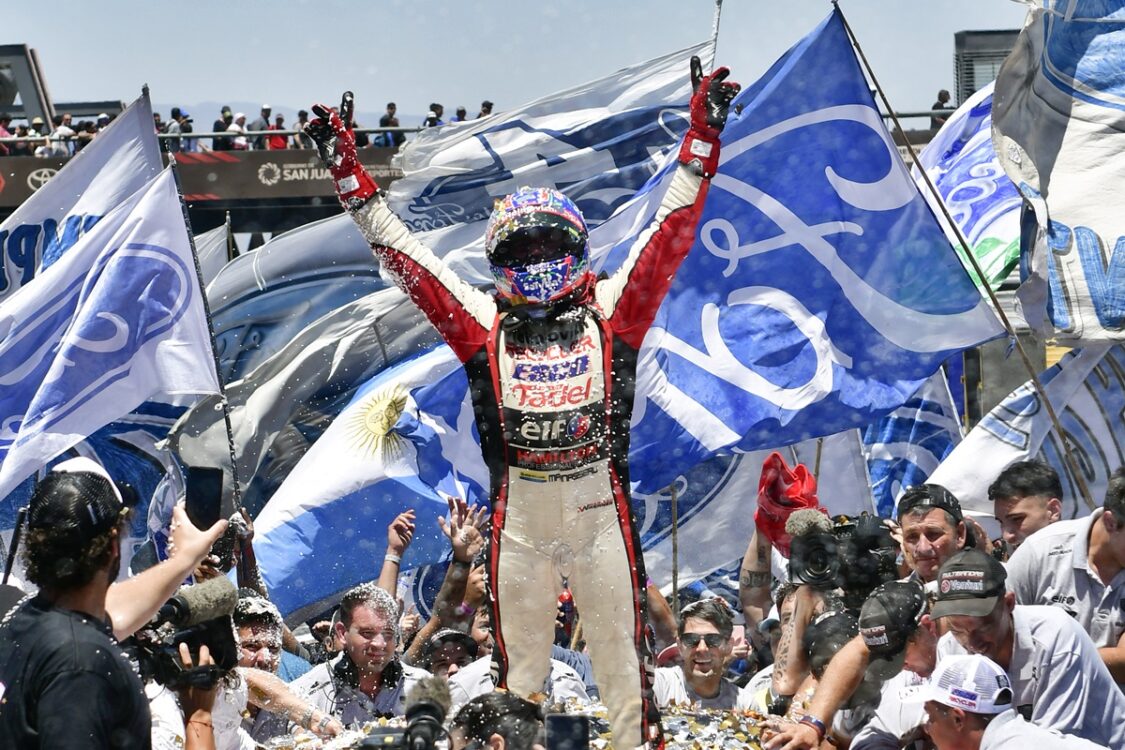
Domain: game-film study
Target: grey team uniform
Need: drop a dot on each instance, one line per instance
(1059, 680)
(1052, 567)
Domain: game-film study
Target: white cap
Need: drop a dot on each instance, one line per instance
(973, 683)
(81, 463)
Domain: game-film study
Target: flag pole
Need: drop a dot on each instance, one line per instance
(675, 555)
(1071, 462)
(210, 334)
(230, 238)
(715, 33)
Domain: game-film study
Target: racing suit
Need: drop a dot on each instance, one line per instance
(553, 399)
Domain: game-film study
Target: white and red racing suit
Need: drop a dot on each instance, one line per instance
(553, 400)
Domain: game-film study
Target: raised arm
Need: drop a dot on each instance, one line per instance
(631, 296)
(462, 313)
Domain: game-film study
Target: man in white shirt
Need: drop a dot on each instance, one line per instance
(1059, 681)
(704, 640)
(969, 707)
(1079, 567)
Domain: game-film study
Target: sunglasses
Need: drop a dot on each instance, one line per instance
(713, 640)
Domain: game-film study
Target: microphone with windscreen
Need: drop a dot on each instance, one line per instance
(427, 704)
(196, 604)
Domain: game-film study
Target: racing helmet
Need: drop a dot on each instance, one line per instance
(536, 244)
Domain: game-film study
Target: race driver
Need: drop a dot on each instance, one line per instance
(551, 360)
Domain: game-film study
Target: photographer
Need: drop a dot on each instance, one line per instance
(190, 725)
(65, 680)
(497, 721)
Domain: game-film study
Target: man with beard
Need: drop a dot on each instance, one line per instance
(64, 680)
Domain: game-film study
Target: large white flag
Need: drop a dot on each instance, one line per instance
(117, 320)
(1087, 389)
(116, 164)
(598, 142)
(1059, 132)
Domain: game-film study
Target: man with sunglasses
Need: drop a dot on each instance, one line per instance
(1059, 681)
(704, 639)
(551, 360)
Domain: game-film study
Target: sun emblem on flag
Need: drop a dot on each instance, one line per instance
(371, 426)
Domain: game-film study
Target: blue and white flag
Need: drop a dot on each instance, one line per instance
(598, 142)
(385, 453)
(117, 320)
(821, 290)
(962, 165)
(906, 446)
(1059, 131)
(1087, 389)
(121, 160)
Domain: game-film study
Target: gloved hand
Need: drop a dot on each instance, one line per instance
(709, 107)
(332, 133)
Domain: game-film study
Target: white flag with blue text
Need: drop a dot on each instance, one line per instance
(821, 290)
(1087, 389)
(117, 320)
(962, 165)
(598, 142)
(1059, 132)
(116, 164)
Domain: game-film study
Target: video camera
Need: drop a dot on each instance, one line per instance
(853, 554)
(198, 615)
(426, 707)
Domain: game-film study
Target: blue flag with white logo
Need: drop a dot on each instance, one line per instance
(821, 290)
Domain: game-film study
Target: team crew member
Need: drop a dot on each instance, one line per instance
(1026, 497)
(1079, 567)
(551, 360)
(64, 680)
(897, 643)
(969, 707)
(1058, 679)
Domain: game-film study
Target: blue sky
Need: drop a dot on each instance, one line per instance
(291, 53)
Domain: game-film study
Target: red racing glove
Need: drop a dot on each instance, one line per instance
(332, 133)
(781, 491)
(709, 107)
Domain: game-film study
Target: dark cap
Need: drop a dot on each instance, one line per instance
(449, 635)
(78, 497)
(969, 583)
(930, 496)
(891, 614)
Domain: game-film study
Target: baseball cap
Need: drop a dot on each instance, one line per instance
(930, 496)
(449, 635)
(970, 682)
(266, 106)
(891, 614)
(969, 583)
(89, 508)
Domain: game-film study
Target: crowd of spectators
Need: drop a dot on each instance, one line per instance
(971, 642)
(64, 137)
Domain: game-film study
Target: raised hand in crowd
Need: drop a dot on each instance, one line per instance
(464, 529)
(133, 602)
(400, 533)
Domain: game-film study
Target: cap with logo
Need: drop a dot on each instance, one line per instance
(971, 682)
(930, 496)
(891, 614)
(970, 583)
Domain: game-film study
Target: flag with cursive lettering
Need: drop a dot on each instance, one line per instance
(821, 290)
(1059, 130)
(117, 320)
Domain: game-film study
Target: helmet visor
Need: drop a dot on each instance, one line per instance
(544, 237)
